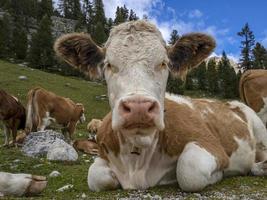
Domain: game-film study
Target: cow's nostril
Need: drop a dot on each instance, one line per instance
(152, 107)
(126, 108)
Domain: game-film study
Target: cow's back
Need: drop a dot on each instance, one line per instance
(253, 88)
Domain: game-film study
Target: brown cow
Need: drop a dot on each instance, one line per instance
(45, 107)
(253, 91)
(86, 146)
(150, 138)
(13, 115)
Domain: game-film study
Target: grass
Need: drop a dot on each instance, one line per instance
(76, 173)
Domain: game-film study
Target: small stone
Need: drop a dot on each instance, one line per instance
(65, 187)
(54, 174)
(23, 78)
(83, 195)
(16, 161)
(38, 165)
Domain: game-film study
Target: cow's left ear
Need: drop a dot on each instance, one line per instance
(80, 51)
(189, 51)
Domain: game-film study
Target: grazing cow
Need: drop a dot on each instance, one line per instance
(94, 125)
(148, 139)
(253, 91)
(13, 115)
(45, 107)
(21, 184)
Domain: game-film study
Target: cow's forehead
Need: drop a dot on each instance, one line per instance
(134, 41)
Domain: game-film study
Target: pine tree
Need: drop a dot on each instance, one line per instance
(259, 57)
(189, 81)
(19, 41)
(212, 77)
(121, 15)
(228, 78)
(99, 22)
(174, 37)
(246, 48)
(41, 51)
(45, 7)
(109, 26)
(88, 13)
(201, 76)
(133, 16)
(5, 36)
(175, 85)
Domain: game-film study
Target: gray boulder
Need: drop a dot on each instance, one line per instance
(48, 143)
(62, 151)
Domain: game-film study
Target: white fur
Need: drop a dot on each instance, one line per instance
(180, 99)
(100, 176)
(46, 121)
(14, 184)
(138, 63)
(263, 112)
(196, 168)
(242, 160)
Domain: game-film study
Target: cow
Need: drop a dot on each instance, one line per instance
(21, 184)
(88, 146)
(150, 138)
(253, 91)
(45, 107)
(94, 125)
(12, 114)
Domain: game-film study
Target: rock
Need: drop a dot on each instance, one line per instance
(83, 195)
(38, 143)
(65, 187)
(23, 78)
(54, 174)
(16, 161)
(37, 166)
(61, 151)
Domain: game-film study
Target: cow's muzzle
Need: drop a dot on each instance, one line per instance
(139, 112)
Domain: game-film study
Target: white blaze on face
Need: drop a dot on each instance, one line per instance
(136, 65)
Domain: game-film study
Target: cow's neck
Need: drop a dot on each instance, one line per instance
(140, 163)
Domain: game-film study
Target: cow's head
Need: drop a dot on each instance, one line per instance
(79, 109)
(136, 63)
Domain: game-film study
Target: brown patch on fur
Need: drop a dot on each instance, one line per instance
(107, 139)
(189, 51)
(252, 88)
(63, 110)
(80, 51)
(12, 113)
(214, 131)
(86, 146)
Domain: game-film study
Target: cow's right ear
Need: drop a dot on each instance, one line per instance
(80, 51)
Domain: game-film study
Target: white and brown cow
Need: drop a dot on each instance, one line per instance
(21, 184)
(253, 91)
(151, 139)
(12, 114)
(45, 107)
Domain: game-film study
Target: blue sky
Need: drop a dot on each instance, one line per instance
(222, 19)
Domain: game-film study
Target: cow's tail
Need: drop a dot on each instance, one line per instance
(32, 120)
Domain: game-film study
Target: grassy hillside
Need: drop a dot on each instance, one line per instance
(11, 160)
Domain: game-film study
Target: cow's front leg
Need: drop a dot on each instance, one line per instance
(101, 177)
(196, 168)
(7, 134)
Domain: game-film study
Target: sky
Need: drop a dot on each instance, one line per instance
(222, 19)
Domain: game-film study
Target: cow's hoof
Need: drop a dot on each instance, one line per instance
(38, 184)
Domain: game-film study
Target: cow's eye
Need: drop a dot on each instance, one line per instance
(162, 66)
(112, 68)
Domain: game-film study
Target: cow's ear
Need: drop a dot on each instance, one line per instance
(80, 51)
(189, 51)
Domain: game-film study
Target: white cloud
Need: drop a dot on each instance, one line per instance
(195, 14)
(167, 19)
